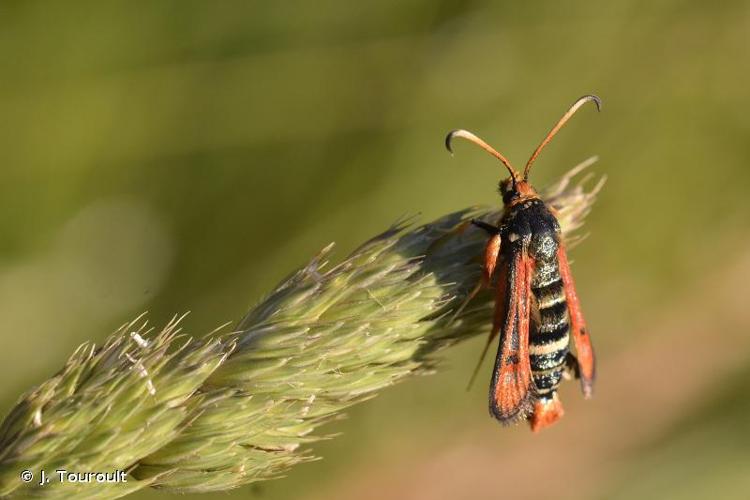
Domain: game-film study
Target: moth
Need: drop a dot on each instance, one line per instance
(537, 308)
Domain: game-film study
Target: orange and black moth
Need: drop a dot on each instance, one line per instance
(536, 306)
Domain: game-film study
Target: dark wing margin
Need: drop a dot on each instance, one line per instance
(511, 392)
(581, 338)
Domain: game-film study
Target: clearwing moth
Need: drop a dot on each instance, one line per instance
(536, 304)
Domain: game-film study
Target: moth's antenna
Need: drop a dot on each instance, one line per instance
(465, 134)
(580, 102)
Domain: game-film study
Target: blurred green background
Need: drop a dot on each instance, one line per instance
(174, 156)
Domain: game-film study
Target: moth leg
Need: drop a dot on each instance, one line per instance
(571, 370)
(499, 317)
(489, 228)
(491, 254)
(493, 333)
(458, 230)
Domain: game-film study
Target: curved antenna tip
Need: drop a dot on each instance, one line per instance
(576, 105)
(448, 139)
(594, 98)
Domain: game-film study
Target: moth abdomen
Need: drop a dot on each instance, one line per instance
(549, 337)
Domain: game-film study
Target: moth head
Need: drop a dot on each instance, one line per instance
(512, 190)
(517, 185)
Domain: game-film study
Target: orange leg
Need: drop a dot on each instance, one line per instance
(491, 254)
(581, 338)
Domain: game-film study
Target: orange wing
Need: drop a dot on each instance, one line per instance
(511, 392)
(581, 339)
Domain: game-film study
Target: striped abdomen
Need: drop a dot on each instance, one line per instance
(548, 340)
